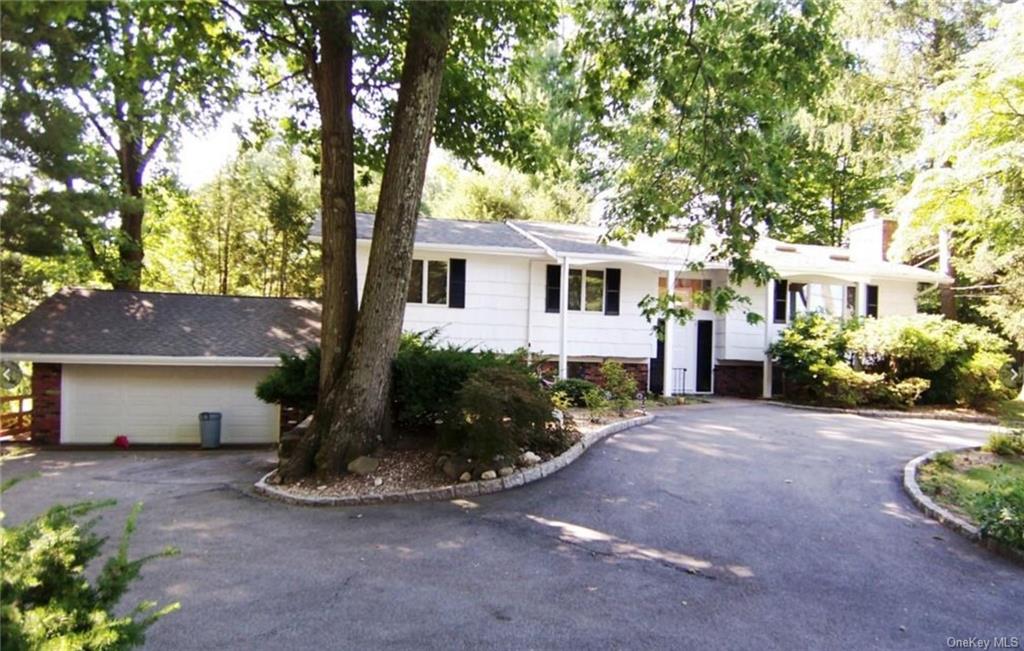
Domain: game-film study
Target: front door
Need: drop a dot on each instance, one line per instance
(704, 344)
(656, 377)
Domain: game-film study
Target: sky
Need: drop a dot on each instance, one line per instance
(202, 154)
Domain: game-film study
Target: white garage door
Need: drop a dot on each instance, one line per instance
(161, 404)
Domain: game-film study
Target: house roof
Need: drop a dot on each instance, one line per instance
(77, 322)
(448, 232)
(667, 249)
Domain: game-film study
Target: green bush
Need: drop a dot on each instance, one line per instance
(574, 388)
(893, 361)
(1006, 444)
(295, 383)
(429, 377)
(50, 598)
(499, 410)
(964, 363)
(944, 460)
(620, 385)
(596, 401)
(1001, 513)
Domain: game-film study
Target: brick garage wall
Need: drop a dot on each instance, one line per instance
(739, 380)
(46, 403)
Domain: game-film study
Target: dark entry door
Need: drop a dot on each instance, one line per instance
(704, 344)
(656, 377)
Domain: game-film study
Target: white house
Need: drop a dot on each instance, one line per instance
(556, 290)
(145, 364)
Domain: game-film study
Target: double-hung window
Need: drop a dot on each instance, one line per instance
(438, 282)
(590, 290)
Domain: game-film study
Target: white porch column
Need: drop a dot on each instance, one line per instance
(769, 317)
(862, 299)
(563, 313)
(669, 340)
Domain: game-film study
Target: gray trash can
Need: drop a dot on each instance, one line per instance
(209, 429)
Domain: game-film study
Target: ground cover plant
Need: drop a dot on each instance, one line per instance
(986, 487)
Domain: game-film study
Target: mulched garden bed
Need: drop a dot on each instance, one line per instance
(414, 463)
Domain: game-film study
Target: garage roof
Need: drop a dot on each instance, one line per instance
(77, 323)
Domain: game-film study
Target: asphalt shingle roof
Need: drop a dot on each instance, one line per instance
(447, 231)
(100, 322)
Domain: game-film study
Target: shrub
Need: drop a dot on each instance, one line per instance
(429, 377)
(295, 383)
(49, 600)
(574, 389)
(620, 385)
(596, 401)
(894, 361)
(964, 363)
(805, 351)
(1001, 513)
(499, 410)
(1006, 444)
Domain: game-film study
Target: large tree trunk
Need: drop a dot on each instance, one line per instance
(359, 400)
(332, 80)
(129, 274)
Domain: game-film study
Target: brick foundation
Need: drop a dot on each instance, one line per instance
(46, 403)
(591, 371)
(739, 380)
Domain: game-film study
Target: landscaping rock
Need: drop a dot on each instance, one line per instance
(488, 474)
(506, 471)
(464, 477)
(363, 465)
(453, 468)
(441, 460)
(529, 459)
(378, 481)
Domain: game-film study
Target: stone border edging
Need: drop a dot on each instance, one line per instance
(889, 413)
(465, 489)
(944, 515)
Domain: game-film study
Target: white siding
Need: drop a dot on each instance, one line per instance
(897, 298)
(594, 334)
(496, 298)
(161, 404)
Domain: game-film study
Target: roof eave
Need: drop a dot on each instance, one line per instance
(140, 360)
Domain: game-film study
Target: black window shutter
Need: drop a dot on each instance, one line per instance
(456, 282)
(552, 297)
(779, 309)
(612, 279)
(872, 301)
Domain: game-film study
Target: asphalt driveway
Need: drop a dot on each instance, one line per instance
(727, 525)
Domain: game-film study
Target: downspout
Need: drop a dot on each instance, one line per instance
(563, 299)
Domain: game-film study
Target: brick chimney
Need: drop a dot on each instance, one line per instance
(870, 239)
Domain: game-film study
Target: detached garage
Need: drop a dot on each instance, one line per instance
(145, 364)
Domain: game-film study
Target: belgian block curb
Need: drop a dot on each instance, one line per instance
(945, 516)
(888, 413)
(465, 489)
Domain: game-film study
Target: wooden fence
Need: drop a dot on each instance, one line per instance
(16, 417)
